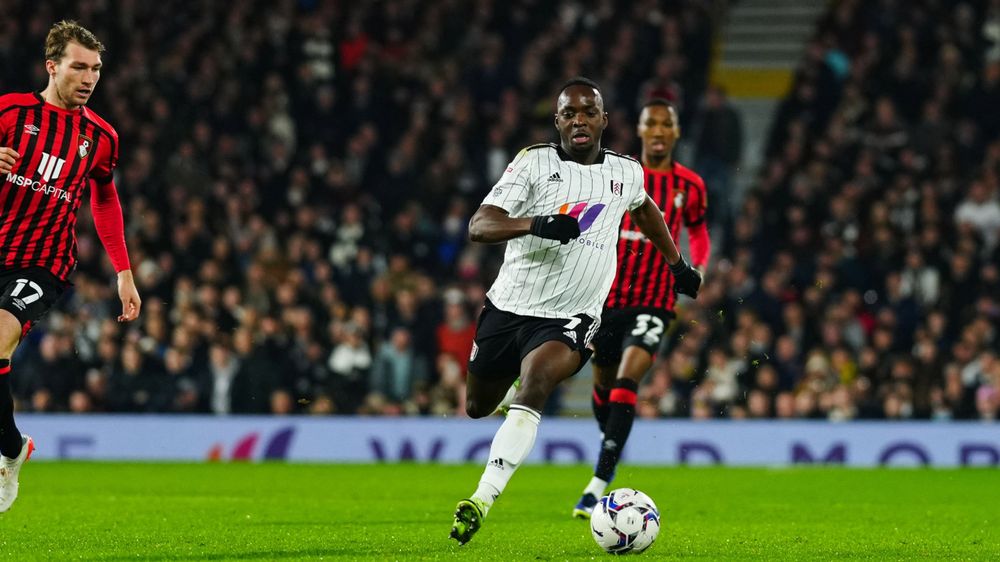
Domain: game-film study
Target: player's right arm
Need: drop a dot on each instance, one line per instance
(497, 218)
(492, 225)
(8, 156)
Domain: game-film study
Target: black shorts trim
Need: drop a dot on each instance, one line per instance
(643, 327)
(29, 294)
(503, 339)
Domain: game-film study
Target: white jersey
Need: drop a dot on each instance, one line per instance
(544, 278)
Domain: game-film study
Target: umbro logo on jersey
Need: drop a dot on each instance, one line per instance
(555, 177)
(49, 167)
(31, 129)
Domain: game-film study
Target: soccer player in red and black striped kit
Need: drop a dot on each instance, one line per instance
(52, 149)
(642, 298)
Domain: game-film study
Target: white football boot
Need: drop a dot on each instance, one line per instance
(9, 469)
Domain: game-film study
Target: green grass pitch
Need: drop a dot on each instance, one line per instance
(403, 512)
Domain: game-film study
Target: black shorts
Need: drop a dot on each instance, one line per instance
(503, 339)
(29, 293)
(622, 327)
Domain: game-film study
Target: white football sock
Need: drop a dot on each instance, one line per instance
(511, 445)
(596, 487)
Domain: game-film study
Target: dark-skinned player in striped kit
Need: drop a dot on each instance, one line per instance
(558, 207)
(641, 303)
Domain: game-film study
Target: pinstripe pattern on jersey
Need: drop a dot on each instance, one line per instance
(542, 277)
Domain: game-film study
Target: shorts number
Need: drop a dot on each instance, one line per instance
(649, 327)
(572, 324)
(28, 299)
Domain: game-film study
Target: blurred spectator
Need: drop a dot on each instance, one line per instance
(218, 377)
(350, 363)
(718, 147)
(398, 370)
(137, 384)
(315, 216)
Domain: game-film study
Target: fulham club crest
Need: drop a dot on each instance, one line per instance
(84, 148)
(616, 188)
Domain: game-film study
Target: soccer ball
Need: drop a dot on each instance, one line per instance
(625, 520)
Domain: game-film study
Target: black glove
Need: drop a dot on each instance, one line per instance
(687, 280)
(555, 227)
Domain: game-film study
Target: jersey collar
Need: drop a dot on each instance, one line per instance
(56, 108)
(566, 157)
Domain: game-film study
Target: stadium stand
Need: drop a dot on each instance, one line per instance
(297, 187)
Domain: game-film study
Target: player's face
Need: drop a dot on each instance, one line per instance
(580, 118)
(659, 130)
(76, 74)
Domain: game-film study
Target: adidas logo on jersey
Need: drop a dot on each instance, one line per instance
(555, 177)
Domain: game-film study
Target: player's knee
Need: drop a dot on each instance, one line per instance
(10, 333)
(534, 391)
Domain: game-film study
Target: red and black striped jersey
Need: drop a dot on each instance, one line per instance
(62, 152)
(643, 278)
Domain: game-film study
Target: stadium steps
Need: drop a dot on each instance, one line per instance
(760, 44)
(758, 47)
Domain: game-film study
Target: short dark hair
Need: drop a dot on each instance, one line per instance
(580, 81)
(659, 102)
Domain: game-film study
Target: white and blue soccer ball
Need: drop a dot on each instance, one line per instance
(625, 521)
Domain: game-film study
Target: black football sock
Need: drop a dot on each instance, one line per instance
(10, 437)
(621, 414)
(599, 402)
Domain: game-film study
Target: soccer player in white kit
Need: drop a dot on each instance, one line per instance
(559, 208)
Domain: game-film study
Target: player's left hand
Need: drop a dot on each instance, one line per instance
(687, 280)
(129, 295)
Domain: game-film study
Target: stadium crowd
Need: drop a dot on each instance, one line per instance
(297, 177)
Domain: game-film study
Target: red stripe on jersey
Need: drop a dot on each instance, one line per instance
(61, 151)
(60, 220)
(643, 278)
(662, 186)
(31, 160)
(32, 238)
